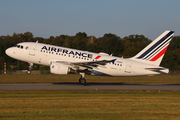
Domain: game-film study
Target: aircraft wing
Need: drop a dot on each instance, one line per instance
(87, 65)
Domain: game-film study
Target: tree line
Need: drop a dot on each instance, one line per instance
(110, 43)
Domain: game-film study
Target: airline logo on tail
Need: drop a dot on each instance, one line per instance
(157, 48)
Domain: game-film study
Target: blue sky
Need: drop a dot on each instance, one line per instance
(45, 18)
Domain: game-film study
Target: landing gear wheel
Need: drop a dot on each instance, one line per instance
(29, 72)
(82, 81)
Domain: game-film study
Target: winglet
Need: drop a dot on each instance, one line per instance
(113, 61)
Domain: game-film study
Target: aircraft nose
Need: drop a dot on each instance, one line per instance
(8, 52)
(11, 52)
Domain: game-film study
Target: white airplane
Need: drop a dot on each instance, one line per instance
(66, 60)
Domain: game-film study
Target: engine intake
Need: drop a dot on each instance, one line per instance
(58, 68)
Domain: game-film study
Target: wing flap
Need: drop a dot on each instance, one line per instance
(87, 65)
(94, 63)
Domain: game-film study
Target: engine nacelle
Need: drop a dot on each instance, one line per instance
(58, 68)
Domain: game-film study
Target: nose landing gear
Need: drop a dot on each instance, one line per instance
(30, 66)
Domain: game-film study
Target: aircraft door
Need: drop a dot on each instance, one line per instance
(32, 50)
(128, 67)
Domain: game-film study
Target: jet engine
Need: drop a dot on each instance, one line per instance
(58, 68)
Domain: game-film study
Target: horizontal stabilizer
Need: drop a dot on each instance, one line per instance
(155, 69)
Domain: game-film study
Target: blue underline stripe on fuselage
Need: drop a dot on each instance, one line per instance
(155, 45)
(158, 47)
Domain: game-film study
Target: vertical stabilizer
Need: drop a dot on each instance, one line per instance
(154, 52)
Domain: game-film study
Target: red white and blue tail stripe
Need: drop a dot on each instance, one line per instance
(155, 51)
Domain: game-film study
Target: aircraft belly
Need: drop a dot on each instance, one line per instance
(112, 71)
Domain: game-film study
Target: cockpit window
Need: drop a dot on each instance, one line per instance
(27, 47)
(19, 46)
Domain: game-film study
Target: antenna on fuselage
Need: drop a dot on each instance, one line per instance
(37, 41)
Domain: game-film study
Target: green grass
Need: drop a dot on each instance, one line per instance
(89, 105)
(15, 105)
(89, 79)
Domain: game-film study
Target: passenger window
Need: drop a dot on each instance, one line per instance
(21, 47)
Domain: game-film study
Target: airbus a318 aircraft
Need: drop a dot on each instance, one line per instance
(64, 60)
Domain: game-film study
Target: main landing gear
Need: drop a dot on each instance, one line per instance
(82, 80)
(30, 66)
